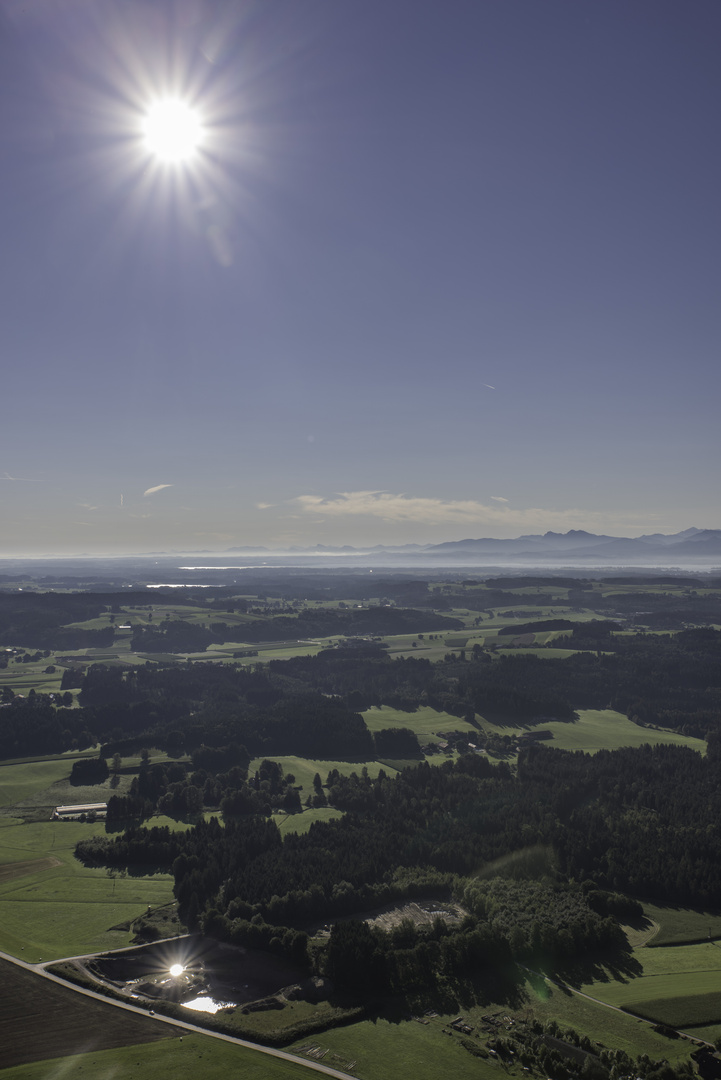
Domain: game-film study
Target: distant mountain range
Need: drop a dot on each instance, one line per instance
(697, 546)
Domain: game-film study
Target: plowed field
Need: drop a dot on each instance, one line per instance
(39, 1019)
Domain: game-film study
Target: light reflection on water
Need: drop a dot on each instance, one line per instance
(208, 1004)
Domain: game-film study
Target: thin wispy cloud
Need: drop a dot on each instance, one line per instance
(20, 479)
(488, 385)
(152, 490)
(401, 508)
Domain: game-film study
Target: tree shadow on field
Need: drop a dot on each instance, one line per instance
(641, 923)
(597, 967)
(452, 994)
(526, 724)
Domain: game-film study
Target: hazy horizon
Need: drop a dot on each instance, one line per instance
(526, 550)
(435, 271)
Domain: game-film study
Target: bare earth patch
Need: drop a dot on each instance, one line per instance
(420, 912)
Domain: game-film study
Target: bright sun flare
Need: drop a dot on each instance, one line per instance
(177, 969)
(172, 130)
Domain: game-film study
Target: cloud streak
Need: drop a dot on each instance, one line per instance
(421, 510)
(20, 479)
(158, 487)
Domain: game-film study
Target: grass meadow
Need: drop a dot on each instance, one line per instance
(601, 729)
(35, 787)
(22, 678)
(170, 1059)
(545, 1001)
(52, 906)
(23, 781)
(425, 721)
(279, 651)
(386, 1050)
(304, 769)
(680, 985)
(389, 1050)
(300, 823)
(682, 926)
(541, 652)
(407, 645)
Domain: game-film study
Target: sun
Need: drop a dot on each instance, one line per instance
(172, 130)
(177, 969)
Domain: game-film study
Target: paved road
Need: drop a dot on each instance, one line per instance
(39, 970)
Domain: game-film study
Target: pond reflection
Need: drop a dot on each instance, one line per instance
(208, 1004)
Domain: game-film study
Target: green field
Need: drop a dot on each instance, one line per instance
(425, 722)
(708, 1032)
(31, 786)
(52, 906)
(300, 823)
(546, 1001)
(44, 790)
(426, 1052)
(278, 652)
(23, 678)
(384, 1050)
(679, 925)
(679, 985)
(601, 729)
(304, 769)
(683, 1012)
(405, 645)
(196, 1057)
(19, 783)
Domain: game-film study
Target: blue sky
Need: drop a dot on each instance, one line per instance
(442, 269)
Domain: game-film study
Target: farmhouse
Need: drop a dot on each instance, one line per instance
(71, 813)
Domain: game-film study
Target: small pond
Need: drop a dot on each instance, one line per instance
(200, 973)
(206, 1004)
